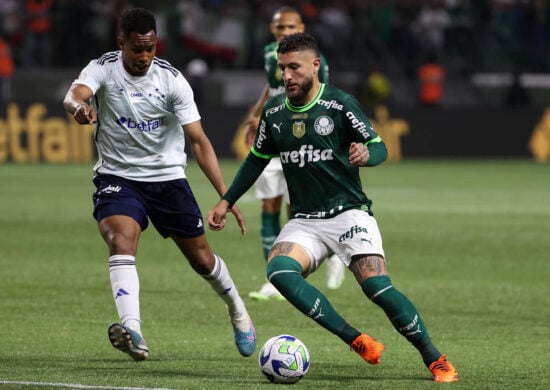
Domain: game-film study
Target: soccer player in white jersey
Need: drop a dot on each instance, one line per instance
(323, 137)
(143, 108)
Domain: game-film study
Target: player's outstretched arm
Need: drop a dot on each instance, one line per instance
(204, 153)
(76, 104)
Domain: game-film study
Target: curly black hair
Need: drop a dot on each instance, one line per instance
(298, 42)
(139, 20)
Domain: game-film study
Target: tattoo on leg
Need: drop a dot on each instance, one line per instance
(367, 266)
(281, 248)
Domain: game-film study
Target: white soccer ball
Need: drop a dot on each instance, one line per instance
(284, 359)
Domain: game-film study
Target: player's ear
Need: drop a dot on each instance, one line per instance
(317, 63)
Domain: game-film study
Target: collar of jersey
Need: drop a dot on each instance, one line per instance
(275, 47)
(309, 105)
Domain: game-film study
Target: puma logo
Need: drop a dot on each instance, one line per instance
(278, 127)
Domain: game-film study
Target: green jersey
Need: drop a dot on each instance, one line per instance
(273, 73)
(313, 143)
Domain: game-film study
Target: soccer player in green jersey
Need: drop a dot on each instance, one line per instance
(271, 187)
(323, 137)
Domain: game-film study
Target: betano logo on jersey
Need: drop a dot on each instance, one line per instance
(306, 154)
(145, 126)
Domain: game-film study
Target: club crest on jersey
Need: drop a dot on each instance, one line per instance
(324, 125)
(299, 129)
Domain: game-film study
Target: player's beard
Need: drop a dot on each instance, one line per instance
(299, 97)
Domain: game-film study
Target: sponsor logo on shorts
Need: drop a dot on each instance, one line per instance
(110, 189)
(352, 232)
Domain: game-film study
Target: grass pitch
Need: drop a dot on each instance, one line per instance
(468, 241)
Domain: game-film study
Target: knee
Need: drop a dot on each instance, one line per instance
(282, 266)
(374, 286)
(119, 242)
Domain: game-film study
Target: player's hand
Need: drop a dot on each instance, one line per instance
(240, 218)
(216, 216)
(85, 114)
(358, 154)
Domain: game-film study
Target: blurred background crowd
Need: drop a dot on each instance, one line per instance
(357, 35)
(392, 38)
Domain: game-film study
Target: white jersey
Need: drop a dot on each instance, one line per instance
(138, 134)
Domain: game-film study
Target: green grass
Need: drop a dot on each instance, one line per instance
(468, 241)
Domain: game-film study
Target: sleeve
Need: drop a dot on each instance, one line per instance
(264, 145)
(246, 176)
(362, 130)
(183, 101)
(91, 76)
(378, 153)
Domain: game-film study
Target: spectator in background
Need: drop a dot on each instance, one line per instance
(431, 78)
(196, 72)
(37, 40)
(376, 89)
(215, 33)
(7, 69)
(12, 24)
(430, 25)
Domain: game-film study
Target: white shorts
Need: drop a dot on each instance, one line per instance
(350, 233)
(271, 182)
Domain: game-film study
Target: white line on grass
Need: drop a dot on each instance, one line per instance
(78, 386)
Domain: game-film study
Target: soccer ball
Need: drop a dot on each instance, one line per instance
(284, 359)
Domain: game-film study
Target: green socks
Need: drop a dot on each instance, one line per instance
(271, 227)
(286, 275)
(402, 314)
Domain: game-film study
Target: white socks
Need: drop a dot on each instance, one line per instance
(125, 286)
(221, 282)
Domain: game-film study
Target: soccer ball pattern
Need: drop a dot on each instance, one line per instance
(284, 359)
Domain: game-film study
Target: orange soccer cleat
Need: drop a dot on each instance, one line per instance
(368, 348)
(443, 370)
